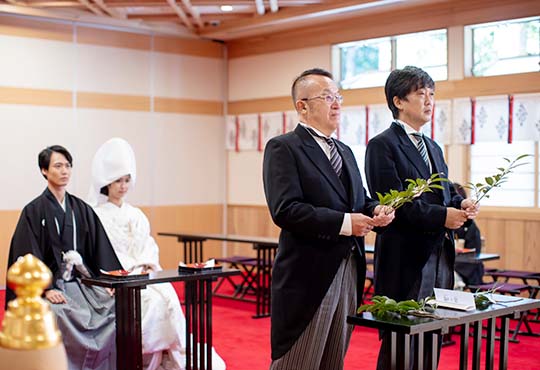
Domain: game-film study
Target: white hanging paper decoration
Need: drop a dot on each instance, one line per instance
(443, 122)
(291, 120)
(526, 117)
(461, 123)
(491, 119)
(379, 119)
(248, 137)
(353, 125)
(230, 133)
(272, 125)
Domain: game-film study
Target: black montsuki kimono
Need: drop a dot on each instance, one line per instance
(87, 320)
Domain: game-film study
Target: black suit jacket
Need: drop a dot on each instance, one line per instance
(403, 249)
(307, 200)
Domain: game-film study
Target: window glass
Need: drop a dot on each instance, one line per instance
(506, 47)
(427, 50)
(365, 63)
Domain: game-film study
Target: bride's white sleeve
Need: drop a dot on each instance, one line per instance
(150, 250)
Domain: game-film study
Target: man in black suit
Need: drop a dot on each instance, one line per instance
(416, 252)
(315, 195)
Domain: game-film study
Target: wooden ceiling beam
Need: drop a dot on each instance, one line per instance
(224, 16)
(404, 19)
(111, 11)
(295, 17)
(56, 4)
(172, 17)
(94, 9)
(194, 13)
(136, 3)
(180, 12)
(250, 2)
(17, 2)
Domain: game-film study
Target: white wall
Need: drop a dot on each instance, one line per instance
(270, 75)
(180, 157)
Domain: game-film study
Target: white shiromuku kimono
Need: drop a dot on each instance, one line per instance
(163, 321)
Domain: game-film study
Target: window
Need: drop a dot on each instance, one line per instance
(367, 63)
(506, 47)
(426, 50)
(519, 190)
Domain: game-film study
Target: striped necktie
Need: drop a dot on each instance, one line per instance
(421, 146)
(335, 158)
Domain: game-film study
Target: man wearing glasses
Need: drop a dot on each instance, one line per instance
(315, 195)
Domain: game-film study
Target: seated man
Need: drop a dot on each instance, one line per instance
(470, 271)
(65, 233)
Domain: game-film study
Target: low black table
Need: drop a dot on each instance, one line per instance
(198, 296)
(403, 328)
(266, 252)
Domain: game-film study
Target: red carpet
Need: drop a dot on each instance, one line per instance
(244, 342)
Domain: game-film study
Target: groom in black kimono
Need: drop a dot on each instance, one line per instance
(49, 227)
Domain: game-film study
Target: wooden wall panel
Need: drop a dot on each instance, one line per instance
(118, 39)
(195, 47)
(531, 247)
(521, 83)
(516, 239)
(113, 101)
(25, 27)
(248, 220)
(514, 235)
(188, 106)
(8, 221)
(189, 219)
(58, 98)
(52, 98)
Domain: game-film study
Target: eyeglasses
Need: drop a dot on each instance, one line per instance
(329, 99)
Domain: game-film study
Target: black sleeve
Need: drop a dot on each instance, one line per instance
(285, 197)
(25, 240)
(383, 175)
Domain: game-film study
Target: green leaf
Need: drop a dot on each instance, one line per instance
(522, 156)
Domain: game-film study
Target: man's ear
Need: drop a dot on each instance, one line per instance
(300, 106)
(397, 102)
(44, 172)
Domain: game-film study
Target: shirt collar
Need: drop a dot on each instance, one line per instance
(314, 129)
(408, 129)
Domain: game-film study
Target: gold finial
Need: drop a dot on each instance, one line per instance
(29, 322)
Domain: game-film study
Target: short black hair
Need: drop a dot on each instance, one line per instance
(401, 82)
(44, 157)
(104, 190)
(301, 78)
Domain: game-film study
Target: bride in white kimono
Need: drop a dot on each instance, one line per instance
(163, 321)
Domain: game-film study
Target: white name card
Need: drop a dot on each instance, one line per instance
(455, 299)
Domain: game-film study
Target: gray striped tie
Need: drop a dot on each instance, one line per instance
(421, 146)
(335, 158)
